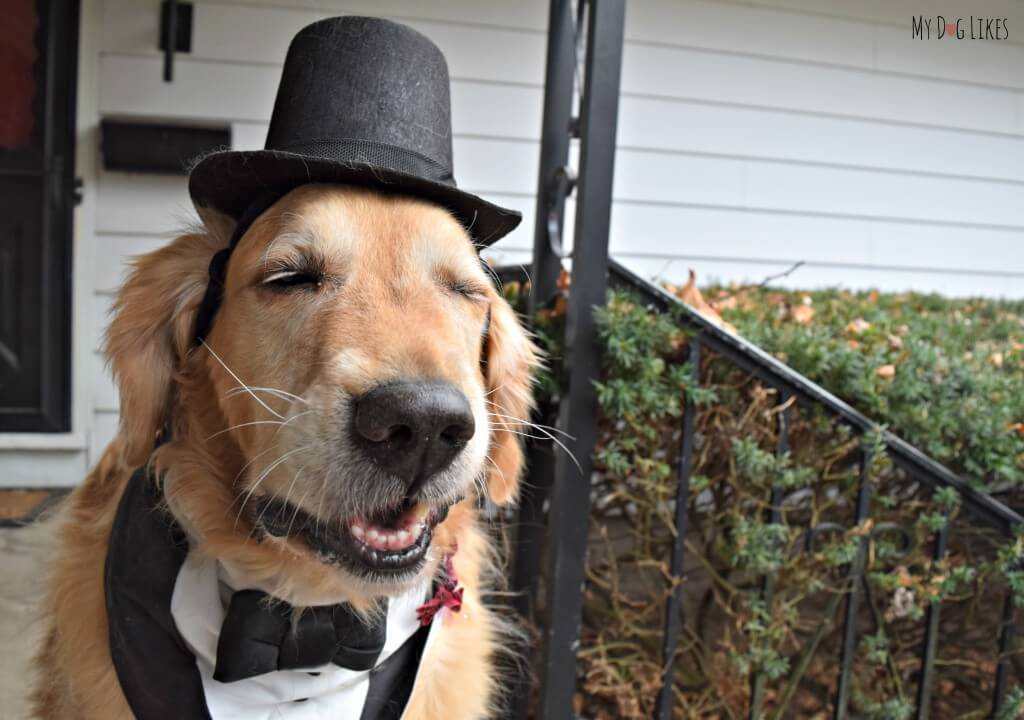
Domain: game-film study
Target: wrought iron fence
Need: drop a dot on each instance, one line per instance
(537, 535)
(581, 96)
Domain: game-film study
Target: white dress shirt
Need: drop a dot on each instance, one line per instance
(323, 693)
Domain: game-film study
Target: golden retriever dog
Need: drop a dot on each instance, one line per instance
(342, 310)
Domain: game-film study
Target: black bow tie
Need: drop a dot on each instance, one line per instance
(260, 635)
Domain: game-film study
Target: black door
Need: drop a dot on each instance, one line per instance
(38, 69)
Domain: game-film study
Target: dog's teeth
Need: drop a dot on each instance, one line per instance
(377, 537)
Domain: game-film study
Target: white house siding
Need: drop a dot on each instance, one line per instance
(751, 136)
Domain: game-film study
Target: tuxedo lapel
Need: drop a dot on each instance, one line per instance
(392, 681)
(156, 670)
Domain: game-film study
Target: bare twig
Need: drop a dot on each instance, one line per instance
(764, 283)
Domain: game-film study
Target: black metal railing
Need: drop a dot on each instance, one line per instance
(918, 465)
(581, 96)
(706, 337)
(552, 533)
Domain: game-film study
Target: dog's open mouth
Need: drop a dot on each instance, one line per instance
(391, 541)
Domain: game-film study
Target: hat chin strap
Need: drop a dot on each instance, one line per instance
(219, 265)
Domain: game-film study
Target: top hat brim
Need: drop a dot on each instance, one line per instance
(229, 181)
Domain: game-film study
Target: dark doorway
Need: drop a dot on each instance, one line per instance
(38, 72)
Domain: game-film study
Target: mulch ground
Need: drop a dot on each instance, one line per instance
(19, 507)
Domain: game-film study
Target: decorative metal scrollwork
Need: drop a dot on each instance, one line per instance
(562, 185)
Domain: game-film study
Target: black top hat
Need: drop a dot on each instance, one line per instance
(362, 101)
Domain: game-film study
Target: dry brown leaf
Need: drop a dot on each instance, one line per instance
(803, 314)
(564, 280)
(895, 342)
(690, 294)
(887, 372)
(996, 359)
(629, 707)
(856, 327)
(725, 304)
(864, 528)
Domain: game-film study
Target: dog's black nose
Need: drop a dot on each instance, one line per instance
(413, 430)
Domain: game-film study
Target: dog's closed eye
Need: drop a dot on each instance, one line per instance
(467, 289)
(293, 275)
(293, 278)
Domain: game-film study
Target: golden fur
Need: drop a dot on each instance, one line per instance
(383, 310)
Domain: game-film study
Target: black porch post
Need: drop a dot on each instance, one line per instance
(554, 158)
(556, 132)
(570, 493)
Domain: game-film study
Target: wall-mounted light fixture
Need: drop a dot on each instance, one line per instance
(176, 24)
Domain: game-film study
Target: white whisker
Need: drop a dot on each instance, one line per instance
(270, 468)
(283, 394)
(242, 425)
(298, 506)
(293, 417)
(249, 491)
(239, 381)
(483, 480)
(241, 472)
(320, 505)
(552, 438)
(264, 510)
(527, 423)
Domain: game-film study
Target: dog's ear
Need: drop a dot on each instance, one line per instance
(152, 331)
(509, 359)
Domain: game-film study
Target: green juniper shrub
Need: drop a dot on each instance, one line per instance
(959, 367)
(763, 596)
